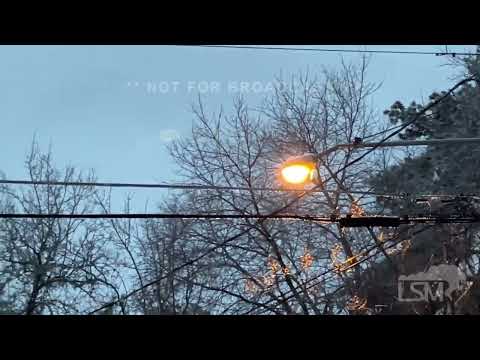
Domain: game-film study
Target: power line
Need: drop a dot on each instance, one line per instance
(176, 186)
(220, 187)
(382, 132)
(281, 48)
(130, 185)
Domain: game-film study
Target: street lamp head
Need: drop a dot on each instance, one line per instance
(298, 170)
(296, 173)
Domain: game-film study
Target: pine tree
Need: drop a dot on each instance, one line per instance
(439, 169)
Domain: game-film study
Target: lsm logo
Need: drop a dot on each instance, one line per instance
(436, 284)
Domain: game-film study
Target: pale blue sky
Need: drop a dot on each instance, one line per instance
(95, 104)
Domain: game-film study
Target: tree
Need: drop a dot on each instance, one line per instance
(439, 169)
(51, 266)
(270, 268)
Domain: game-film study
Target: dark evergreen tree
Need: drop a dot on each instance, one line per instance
(438, 169)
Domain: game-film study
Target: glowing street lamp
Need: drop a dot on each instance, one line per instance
(296, 174)
(298, 170)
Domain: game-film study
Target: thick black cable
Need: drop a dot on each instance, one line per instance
(347, 221)
(382, 132)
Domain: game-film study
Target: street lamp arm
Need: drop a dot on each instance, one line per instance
(400, 143)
